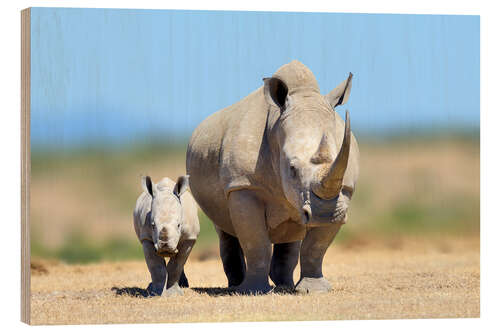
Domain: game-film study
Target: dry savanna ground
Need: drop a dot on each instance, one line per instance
(422, 277)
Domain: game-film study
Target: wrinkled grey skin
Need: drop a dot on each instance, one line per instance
(275, 172)
(166, 223)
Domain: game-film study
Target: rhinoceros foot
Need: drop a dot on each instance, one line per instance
(174, 290)
(250, 288)
(309, 285)
(284, 289)
(154, 289)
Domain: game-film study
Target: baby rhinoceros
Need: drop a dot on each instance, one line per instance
(166, 223)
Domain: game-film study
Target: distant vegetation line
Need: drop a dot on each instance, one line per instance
(179, 143)
(410, 185)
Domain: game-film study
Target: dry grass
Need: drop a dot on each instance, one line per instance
(404, 278)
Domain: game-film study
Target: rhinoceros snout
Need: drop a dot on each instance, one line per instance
(163, 234)
(165, 249)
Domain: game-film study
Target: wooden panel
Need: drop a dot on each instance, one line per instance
(25, 164)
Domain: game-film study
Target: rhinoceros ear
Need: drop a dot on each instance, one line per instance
(340, 95)
(147, 185)
(181, 186)
(276, 92)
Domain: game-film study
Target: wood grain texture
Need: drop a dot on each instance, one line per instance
(25, 164)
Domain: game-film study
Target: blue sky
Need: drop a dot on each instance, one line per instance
(123, 76)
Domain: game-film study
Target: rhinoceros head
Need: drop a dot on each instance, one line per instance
(166, 214)
(312, 163)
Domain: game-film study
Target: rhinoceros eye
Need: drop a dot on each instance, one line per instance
(293, 171)
(347, 191)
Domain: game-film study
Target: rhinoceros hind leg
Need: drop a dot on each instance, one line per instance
(232, 258)
(283, 263)
(183, 281)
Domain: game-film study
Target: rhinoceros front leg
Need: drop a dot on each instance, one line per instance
(175, 268)
(232, 258)
(283, 263)
(248, 219)
(157, 269)
(312, 251)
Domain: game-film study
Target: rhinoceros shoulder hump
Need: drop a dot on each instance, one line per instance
(242, 142)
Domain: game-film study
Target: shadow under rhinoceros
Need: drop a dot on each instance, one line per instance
(210, 291)
(131, 291)
(140, 292)
(216, 291)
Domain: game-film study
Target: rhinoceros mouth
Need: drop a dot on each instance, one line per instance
(326, 211)
(166, 253)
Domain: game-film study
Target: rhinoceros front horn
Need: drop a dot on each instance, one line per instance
(332, 182)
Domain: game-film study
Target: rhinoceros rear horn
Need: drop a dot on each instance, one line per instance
(332, 183)
(276, 91)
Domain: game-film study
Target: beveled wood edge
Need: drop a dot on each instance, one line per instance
(25, 164)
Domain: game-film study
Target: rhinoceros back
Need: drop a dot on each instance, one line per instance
(223, 154)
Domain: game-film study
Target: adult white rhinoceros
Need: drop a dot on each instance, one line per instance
(278, 167)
